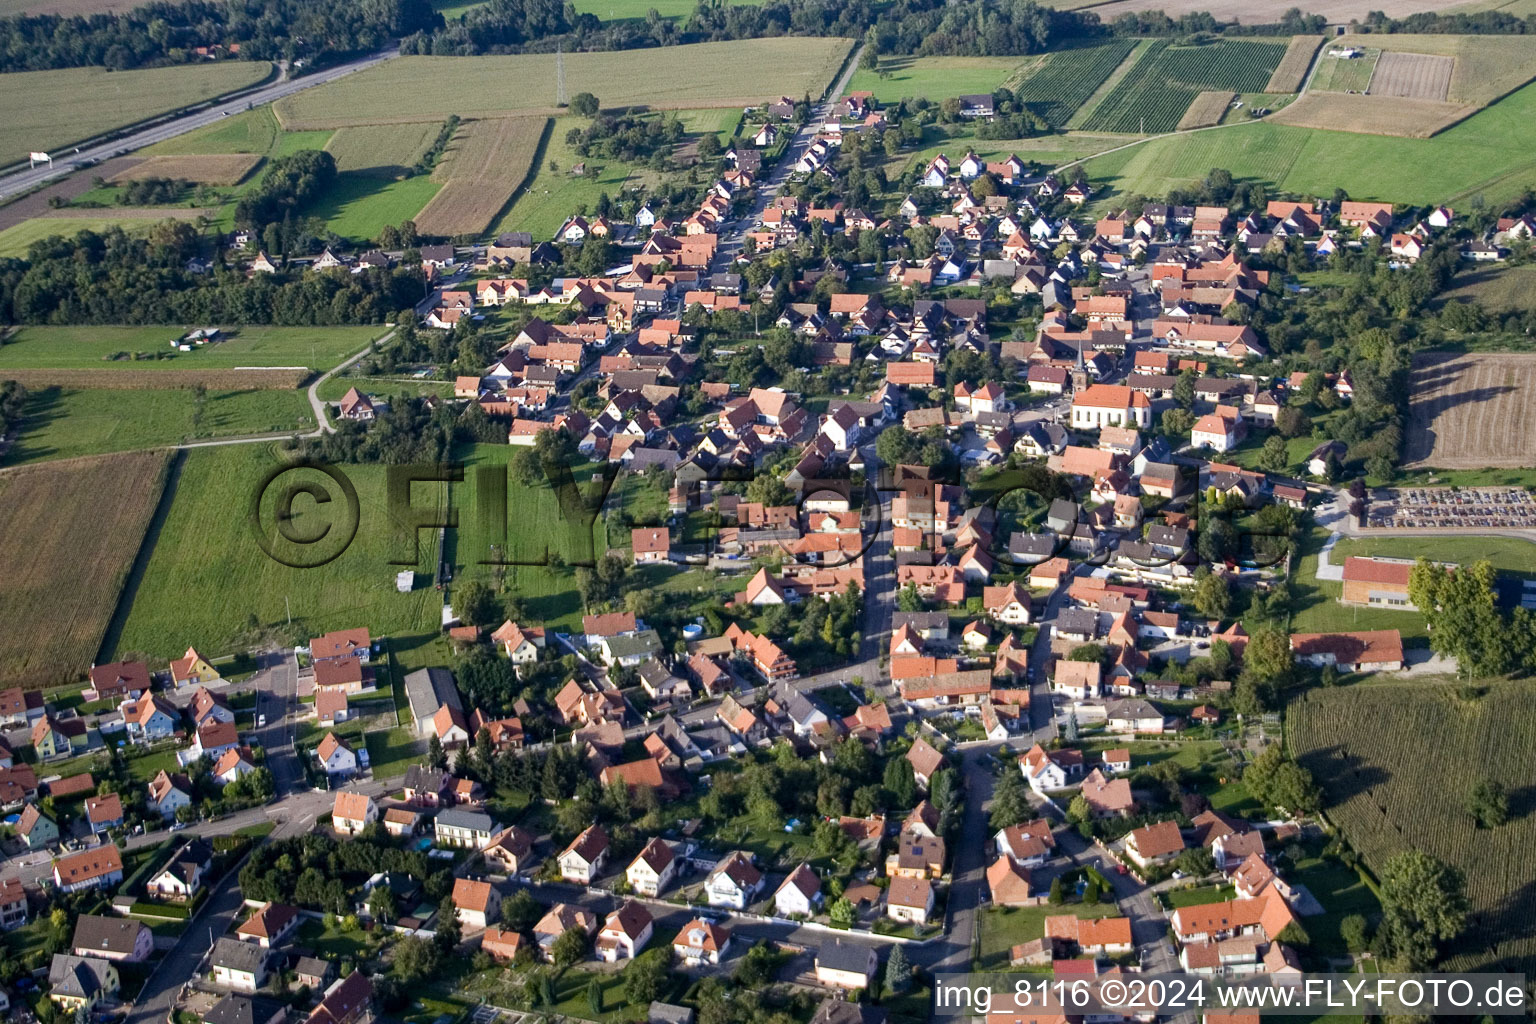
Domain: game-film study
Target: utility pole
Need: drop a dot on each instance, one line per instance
(287, 608)
(560, 99)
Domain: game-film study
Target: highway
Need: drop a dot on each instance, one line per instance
(65, 162)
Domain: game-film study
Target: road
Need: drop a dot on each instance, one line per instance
(29, 178)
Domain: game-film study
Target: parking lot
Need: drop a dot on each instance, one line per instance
(1420, 507)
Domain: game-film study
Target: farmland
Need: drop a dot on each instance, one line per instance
(358, 206)
(381, 151)
(1207, 109)
(63, 423)
(486, 161)
(1497, 290)
(542, 205)
(66, 555)
(1061, 82)
(702, 75)
(47, 109)
(1291, 72)
(1414, 76)
(72, 347)
(255, 131)
(1259, 12)
(1366, 746)
(1345, 74)
(1154, 94)
(1463, 409)
(206, 575)
(619, 10)
(933, 77)
(1487, 67)
(209, 169)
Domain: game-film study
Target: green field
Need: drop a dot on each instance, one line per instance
(206, 576)
(334, 388)
(56, 348)
(723, 121)
(552, 196)
(936, 78)
(15, 241)
(381, 151)
(1396, 759)
(62, 423)
(1507, 554)
(48, 109)
(1497, 289)
(358, 206)
(255, 131)
(1472, 158)
(620, 10)
(1315, 606)
(1166, 78)
(1335, 74)
(714, 74)
(1056, 85)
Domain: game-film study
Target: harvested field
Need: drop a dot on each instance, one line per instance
(212, 169)
(1291, 73)
(138, 380)
(1372, 115)
(1487, 67)
(149, 213)
(484, 164)
(72, 530)
(381, 151)
(408, 89)
(1413, 76)
(1206, 110)
(1470, 410)
(1259, 12)
(49, 109)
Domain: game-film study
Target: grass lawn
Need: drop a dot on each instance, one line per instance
(1199, 895)
(57, 348)
(551, 195)
(206, 576)
(1335, 74)
(64, 423)
(144, 768)
(1340, 890)
(359, 205)
(1002, 928)
(773, 846)
(47, 109)
(391, 753)
(722, 121)
(936, 78)
(1315, 606)
(336, 387)
(1468, 159)
(332, 941)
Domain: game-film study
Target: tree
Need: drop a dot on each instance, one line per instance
(595, 997)
(569, 948)
(1058, 894)
(381, 904)
(477, 604)
(1091, 893)
(898, 974)
(1010, 800)
(1087, 652)
(415, 959)
(645, 976)
(1273, 456)
(584, 104)
(1079, 810)
(1177, 422)
(1425, 904)
(1212, 597)
(521, 911)
(1354, 932)
(1196, 862)
(842, 912)
(900, 781)
(1280, 782)
(1294, 934)
(1488, 803)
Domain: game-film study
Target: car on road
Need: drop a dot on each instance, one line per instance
(177, 827)
(261, 720)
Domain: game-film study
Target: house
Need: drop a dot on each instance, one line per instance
(182, 876)
(331, 707)
(925, 760)
(1008, 883)
(1267, 915)
(269, 925)
(1116, 761)
(428, 690)
(36, 829)
(847, 965)
(169, 793)
(625, 933)
(78, 983)
(909, 899)
(462, 829)
(1117, 405)
(426, 787)
(241, 1009)
(1377, 650)
(1081, 680)
(650, 544)
(335, 756)
(522, 644)
(701, 942)
(353, 812)
(1007, 604)
(510, 850)
(401, 822)
(1107, 797)
(100, 867)
(112, 938)
(149, 719)
(916, 856)
(1105, 936)
(1028, 844)
(799, 894)
(1133, 716)
(734, 882)
(979, 105)
(241, 966)
(585, 858)
(562, 917)
(13, 904)
(122, 679)
(104, 812)
(1154, 844)
(653, 869)
(476, 904)
(1380, 582)
(348, 1001)
(501, 944)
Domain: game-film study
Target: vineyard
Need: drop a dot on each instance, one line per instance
(1396, 762)
(1061, 82)
(1154, 95)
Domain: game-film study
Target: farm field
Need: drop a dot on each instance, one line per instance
(1498, 290)
(1487, 67)
(1463, 409)
(1414, 76)
(64, 423)
(713, 74)
(318, 348)
(1471, 158)
(1056, 85)
(544, 202)
(255, 131)
(65, 558)
(1291, 72)
(1259, 12)
(183, 594)
(48, 109)
(1345, 74)
(1365, 744)
(1207, 109)
(485, 162)
(1165, 79)
(619, 10)
(210, 169)
(936, 78)
(15, 241)
(8, 8)
(1374, 115)
(381, 151)
(358, 206)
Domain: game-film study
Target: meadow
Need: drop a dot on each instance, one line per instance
(207, 169)
(1345, 74)
(1472, 158)
(358, 206)
(1167, 78)
(381, 151)
(318, 348)
(547, 199)
(254, 131)
(485, 163)
(50, 109)
(66, 555)
(64, 423)
(206, 577)
(1366, 745)
(703, 74)
(15, 241)
(936, 78)
(1497, 289)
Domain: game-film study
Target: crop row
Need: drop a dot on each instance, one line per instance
(1066, 78)
(1153, 96)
